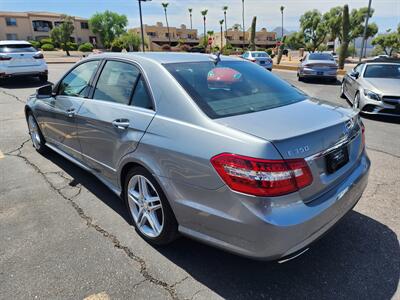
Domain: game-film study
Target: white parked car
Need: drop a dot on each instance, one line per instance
(20, 58)
(259, 57)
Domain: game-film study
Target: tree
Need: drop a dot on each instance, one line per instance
(204, 14)
(237, 26)
(109, 25)
(62, 34)
(357, 21)
(165, 5)
(295, 40)
(345, 36)
(280, 50)
(389, 42)
(221, 22)
(333, 21)
(282, 9)
(225, 8)
(190, 15)
(313, 28)
(253, 34)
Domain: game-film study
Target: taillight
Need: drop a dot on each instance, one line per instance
(5, 57)
(38, 56)
(260, 177)
(252, 60)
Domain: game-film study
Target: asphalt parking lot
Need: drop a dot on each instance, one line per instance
(64, 235)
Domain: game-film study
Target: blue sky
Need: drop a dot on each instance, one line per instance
(387, 12)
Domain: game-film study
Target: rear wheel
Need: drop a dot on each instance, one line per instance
(148, 208)
(299, 78)
(36, 135)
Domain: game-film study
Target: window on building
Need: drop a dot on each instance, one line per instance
(57, 23)
(151, 33)
(11, 36)
(84, 25)
(11, 21)
(42, 26)
(167, 34)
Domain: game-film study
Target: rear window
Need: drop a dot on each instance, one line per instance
(382, 71)
(233, 87)
(15, 48)
(320, 56)
(260, 54)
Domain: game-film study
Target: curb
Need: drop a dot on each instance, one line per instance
(294, 68)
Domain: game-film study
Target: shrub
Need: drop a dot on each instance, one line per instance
(166, 47)
(269, 51)
(48, 47)
(46, 41)
(72, 46)
(86, 47)
(35, 44)
(226, 51)
(184, 48)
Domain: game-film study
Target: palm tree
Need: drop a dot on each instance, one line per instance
(282, 8)
(204, 14)
(243, 23)
(165, 5)
(190, 13)
(220, 23)
(225, 8)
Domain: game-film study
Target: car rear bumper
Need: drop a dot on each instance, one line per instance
(23, 70)
(313, 73)
(262, 228)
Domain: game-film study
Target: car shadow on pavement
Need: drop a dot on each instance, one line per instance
(21, 83)
(321, 81)
(358, 259)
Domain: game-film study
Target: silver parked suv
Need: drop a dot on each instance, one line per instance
(215, 148)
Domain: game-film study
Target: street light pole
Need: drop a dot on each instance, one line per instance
(363, 44)
(141, 22)
(282, 8)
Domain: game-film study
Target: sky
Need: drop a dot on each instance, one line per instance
(387, 12)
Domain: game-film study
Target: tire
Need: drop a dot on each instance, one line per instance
(153, 219)
(342, 95)
(43, 78)
(299, 78)
(37, 138)
(356, 101)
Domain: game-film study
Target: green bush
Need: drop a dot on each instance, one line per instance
(117, 45)
(227, 51)
(269, 51)
(46, 41)
(35, 44)
(48, 47)
(86, 47)
(72, 46)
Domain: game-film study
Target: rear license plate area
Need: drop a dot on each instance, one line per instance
(319, 73)
(262, 62)
(337, 159)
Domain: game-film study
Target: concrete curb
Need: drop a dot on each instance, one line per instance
(294, 68)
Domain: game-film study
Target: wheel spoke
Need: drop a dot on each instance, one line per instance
(154, 203)
(141, 219)
(155, 225)
(133, 196)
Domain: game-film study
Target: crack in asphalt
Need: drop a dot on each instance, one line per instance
(13, 96)
(384, 152)
(170, 288)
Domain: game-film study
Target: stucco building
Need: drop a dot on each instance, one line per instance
(263, 39)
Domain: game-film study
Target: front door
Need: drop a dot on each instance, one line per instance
(112, 123)
(61, 128)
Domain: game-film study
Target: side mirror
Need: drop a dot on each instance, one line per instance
(45, 91)
(354, 74)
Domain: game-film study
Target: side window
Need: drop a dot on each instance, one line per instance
(246, 55)
(359, 68)
(76, 83)
(116, 82)
(141, 97)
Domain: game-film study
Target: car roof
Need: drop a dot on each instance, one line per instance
(165, 57)
(14, 42)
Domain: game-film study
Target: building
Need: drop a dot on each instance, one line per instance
(37, 25)
(263, 39)
(157, 35)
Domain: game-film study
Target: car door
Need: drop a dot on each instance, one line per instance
(114, 120)
(60, 125)
(352, 81)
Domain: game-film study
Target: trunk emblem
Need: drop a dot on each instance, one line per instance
(299, 150)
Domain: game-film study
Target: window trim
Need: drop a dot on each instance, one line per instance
(141, 74)
(56, 88)
(11, 25)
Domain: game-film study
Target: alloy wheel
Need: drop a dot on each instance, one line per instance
(145, 206)
(356, 102)
(34, 132)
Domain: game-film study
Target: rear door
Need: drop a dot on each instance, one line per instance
(112, 123)
(15, 56)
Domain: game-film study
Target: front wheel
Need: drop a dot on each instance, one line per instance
(148, 208)
(356, 102)
(342, 95)
(36, 135)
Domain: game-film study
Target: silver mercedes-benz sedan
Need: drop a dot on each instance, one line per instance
(374, 88)
(317, 65)
(215, 148)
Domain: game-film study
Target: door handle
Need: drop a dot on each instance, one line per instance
(121, 123)
(70, 112)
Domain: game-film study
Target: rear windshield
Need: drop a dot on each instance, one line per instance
(15, 48)
(260, 54)
(382, 71)
(320, 56)
(233, 87)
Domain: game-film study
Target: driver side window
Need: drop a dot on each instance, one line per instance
(76, 83)
(358, 68)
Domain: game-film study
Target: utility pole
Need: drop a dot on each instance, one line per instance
(363, 44)
(282, 8)
(141, 22)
